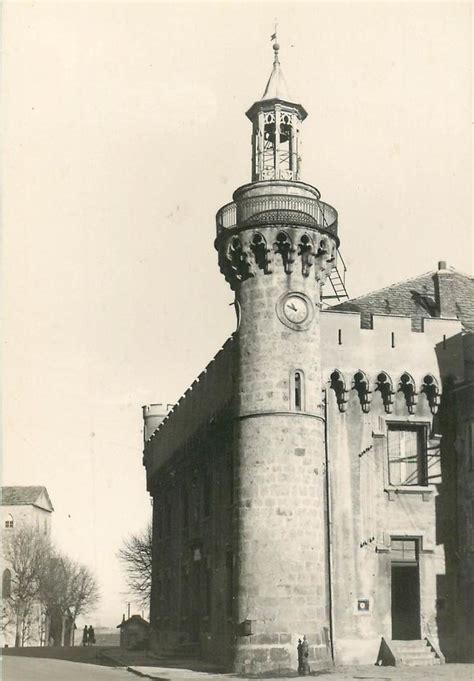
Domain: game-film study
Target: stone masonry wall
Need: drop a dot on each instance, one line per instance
(367, 511)
(281, 581)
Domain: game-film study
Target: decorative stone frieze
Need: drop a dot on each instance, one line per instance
(247, 252)
(360, 384)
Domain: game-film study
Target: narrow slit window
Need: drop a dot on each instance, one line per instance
(393, 339)
(339, 336)
(298, 389)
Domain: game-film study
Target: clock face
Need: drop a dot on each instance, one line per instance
(295, 310)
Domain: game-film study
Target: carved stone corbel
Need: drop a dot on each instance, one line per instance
(360, 384)
(284, 246)
(306, 251)
(238, 259)
(385, 386)
(408, 388)
(431, 389)
(260, 250)
(338, 384)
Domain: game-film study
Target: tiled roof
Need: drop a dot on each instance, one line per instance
(419, 298)
(134, 619)
(21, 496)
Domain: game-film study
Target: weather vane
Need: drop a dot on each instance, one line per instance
(274, 35)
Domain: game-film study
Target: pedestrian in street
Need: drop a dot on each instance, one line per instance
(84, 636)
(91, 636)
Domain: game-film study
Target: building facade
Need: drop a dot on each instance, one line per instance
(306, 483)
(29, 507)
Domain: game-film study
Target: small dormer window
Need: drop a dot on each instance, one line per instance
(9, 522)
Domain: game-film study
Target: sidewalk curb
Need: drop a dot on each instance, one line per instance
(143, 676)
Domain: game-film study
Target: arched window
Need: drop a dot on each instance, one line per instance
(6, 583)
(298, 382)
(297, 397)
(9, 521)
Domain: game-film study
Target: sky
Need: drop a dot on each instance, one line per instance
(123, 133)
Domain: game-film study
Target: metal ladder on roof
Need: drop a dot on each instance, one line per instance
(338, 280)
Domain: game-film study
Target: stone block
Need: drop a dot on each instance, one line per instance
(285, 638)
(262, 639)
(279, 655)
(259, 654)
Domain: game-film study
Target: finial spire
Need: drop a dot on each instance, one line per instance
(276, 45)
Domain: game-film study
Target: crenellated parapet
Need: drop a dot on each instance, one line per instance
(206, 398)
(389, 367)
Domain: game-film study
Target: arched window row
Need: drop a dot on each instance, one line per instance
(382, 383)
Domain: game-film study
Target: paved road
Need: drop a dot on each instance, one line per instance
(448, 672)
(42, 669)
(36, 669)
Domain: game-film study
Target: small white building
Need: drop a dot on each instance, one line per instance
(24, 506)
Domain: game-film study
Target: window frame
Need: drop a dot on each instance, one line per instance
(297, 386)
(422, 429)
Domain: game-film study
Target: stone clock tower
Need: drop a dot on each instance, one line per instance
(277, 243)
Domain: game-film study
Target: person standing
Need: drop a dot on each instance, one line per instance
(84, 636)
(91, 636)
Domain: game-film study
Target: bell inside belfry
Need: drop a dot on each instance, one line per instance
(285, 128)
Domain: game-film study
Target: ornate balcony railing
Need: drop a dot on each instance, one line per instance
(277, 208)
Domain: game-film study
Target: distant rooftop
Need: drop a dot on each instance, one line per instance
(26, 496)
(444, 292)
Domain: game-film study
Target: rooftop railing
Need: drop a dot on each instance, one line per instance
(288, 209)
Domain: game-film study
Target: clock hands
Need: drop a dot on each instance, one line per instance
(292, 306)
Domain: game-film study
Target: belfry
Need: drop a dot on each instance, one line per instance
(276, 124)
(304, 486)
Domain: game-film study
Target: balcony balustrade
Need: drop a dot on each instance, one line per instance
(279, 209)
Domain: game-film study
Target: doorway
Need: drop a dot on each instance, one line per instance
(405, 575)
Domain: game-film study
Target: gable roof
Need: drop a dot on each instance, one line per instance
(26, 496)
(439, 293)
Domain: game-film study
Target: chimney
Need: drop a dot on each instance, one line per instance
(445, 291)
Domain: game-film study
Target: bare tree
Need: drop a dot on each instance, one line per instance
(136, 558)
(67, 589)
(42, 576)
(26, 552)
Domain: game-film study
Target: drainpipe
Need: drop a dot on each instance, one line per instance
(329, 527)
